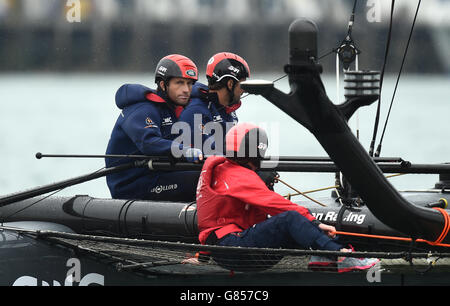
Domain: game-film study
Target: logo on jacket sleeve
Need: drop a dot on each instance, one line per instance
(149, 123)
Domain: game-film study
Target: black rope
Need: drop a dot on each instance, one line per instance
(377, 117)
(377, 153)
(352, 19)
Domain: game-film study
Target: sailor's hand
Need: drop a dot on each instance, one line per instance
(193, 155)
(198, 259)
(329, 230)
(192, 261)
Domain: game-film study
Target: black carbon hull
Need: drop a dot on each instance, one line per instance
(177, 221)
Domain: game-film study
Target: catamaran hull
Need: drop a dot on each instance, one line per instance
(27, 261)
(177, 221)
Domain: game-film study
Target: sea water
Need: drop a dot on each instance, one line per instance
(75, 113)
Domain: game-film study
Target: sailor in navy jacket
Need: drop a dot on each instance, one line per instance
(144, 128)
(208, 120)
(211, 112)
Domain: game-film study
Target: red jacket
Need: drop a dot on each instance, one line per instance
(232, 198)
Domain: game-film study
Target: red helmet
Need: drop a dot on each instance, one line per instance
(175, 65)
(246, 142)
(226, 64)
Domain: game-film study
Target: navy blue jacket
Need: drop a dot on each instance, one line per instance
(142, 128)
(205, 105)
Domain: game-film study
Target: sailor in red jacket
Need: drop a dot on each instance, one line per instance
(233, 204)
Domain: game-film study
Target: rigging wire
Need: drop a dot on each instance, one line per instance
(288, 196)
(377, 117)
(377, 153)
(302, 193)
